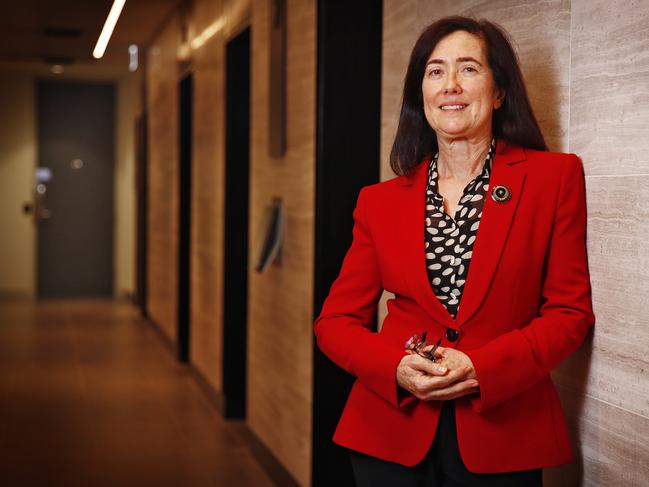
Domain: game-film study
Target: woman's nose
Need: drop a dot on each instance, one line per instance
(451, 84)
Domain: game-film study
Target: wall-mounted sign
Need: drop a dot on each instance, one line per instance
(269, 240)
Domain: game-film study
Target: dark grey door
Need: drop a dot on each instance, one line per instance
(74, 189)
(235, 273)
(349, 75)
(185, 90)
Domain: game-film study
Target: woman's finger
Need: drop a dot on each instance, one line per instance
(441, 382)
(429, 367)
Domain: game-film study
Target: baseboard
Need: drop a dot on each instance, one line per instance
(268, 461)
(264, 456)
(167, 342)
(214, 396)
(13, 295)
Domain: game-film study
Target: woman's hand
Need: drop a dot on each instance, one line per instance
(430, 381)
(453, 359)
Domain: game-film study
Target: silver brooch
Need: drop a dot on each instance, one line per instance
(501, 194)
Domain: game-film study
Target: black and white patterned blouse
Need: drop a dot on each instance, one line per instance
(449, 241)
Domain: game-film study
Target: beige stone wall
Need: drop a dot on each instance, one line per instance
(586, 67)
(17, 164)
(129, 91)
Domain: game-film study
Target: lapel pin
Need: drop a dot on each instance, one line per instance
(501, 194)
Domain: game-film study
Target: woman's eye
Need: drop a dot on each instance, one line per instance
(434, 72)
(470, 69)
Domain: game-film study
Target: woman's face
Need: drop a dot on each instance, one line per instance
(458, 88)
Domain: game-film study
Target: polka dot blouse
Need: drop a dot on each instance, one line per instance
(449, 241)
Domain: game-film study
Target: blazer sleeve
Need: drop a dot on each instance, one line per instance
(515, 361)
(343, 329)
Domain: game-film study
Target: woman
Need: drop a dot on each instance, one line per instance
(481, 239)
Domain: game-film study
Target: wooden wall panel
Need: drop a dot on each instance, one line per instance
(280, 304)
(208, 160)
(280, 301)
(207, 26)
(585, 69)
(222, 19)
(162, 104)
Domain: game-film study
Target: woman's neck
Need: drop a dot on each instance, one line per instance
(462, 159)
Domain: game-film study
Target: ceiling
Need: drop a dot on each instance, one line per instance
(37, 34)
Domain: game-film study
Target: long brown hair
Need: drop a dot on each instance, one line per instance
(514, 121)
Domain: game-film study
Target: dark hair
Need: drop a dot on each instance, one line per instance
(514, 121)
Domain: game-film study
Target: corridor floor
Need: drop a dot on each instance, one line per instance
(90, 396)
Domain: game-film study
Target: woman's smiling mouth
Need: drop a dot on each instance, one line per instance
(453, 107)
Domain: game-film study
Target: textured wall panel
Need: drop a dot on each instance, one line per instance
(614, 369)
(162, 251)
(208, 159)
(280, 307)
(609, 111)
(611, 445)
(280, 301)
(171, 58)
(609, 104)
(400, 31)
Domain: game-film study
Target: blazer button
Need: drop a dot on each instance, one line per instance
(452, 334)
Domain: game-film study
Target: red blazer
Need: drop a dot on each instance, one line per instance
(526, 306)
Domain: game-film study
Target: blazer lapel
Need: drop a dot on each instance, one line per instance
(494, 228)
(411, 227)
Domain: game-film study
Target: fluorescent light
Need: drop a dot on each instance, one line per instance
(107, 31)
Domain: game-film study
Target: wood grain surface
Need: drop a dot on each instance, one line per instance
(280, 301)
(163, 141)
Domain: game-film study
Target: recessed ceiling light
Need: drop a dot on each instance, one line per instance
(57, 69)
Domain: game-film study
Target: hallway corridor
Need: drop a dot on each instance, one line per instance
(90, 396)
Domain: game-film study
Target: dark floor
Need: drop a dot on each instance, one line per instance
(90, 396)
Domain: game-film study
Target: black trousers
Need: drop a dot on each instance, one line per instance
(442, 466)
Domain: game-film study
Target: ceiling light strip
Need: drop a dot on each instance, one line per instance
(107, 31)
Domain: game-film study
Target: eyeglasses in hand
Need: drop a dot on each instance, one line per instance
(417, 343)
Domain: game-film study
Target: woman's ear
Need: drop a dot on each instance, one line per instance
(500, 98)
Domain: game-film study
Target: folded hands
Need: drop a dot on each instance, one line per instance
(451, 376)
